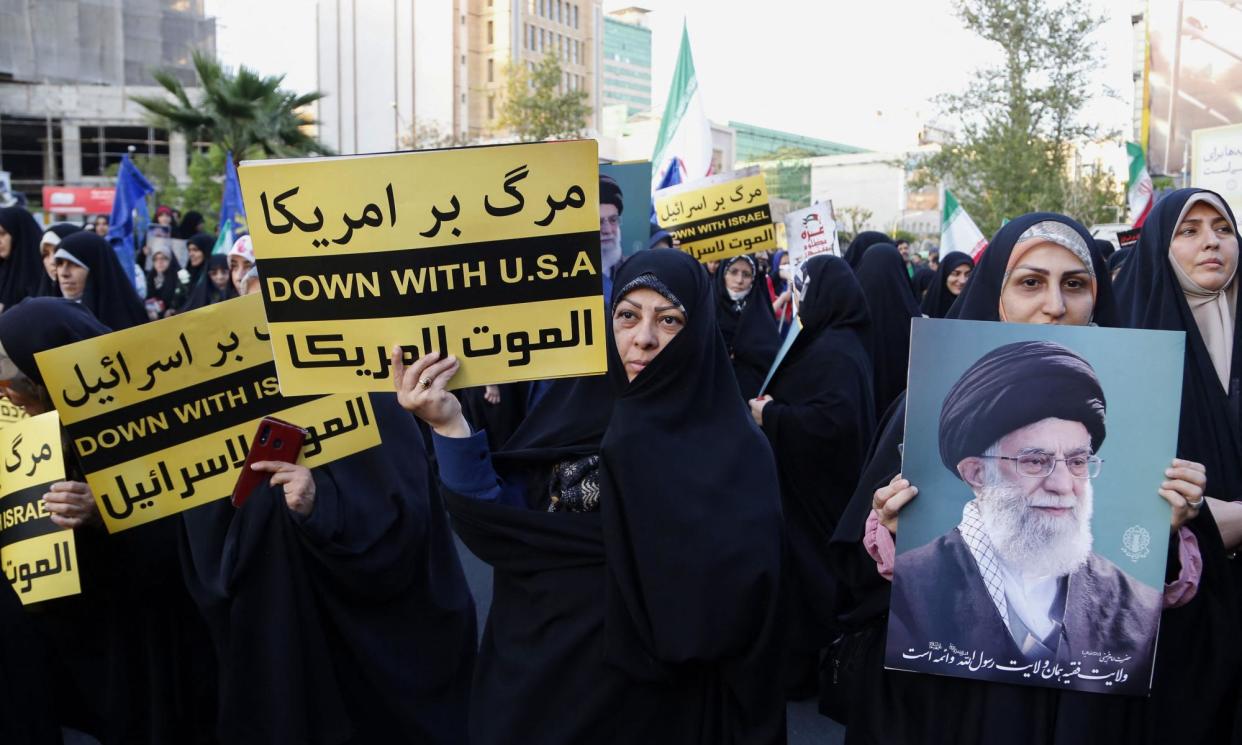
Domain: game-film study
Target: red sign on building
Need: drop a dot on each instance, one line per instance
(78, 200)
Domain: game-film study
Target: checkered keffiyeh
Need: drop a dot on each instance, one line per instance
(980, 546)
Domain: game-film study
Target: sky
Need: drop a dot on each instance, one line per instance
(859, 72)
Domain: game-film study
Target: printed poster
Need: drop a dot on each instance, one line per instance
(1034, 552)
(161, 415)
(491, 254)
(39, 557)
(719, 217)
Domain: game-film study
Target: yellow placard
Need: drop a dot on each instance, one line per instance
(9, 412)
(160, 415)
(718, 217)
(434, 251)
(39, 558)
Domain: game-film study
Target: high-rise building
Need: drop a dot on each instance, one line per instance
(627, 60)
(67, 71)
(411, 73)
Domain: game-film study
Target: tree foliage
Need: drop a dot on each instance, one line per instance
(1019, 121)
(239, 111)
(537, 106)
(430, 135)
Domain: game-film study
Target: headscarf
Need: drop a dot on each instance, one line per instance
(1118, 258)
(882, 275)
(1105, 248)
(244, 248)
(21, 275)
(48, 286)
(1152, 296)
(1013, 386)
(820, 422)
(860, 244)
(109, 292)
(41, 323)
(693, 543)
(748, 327)
(779, 283)
(938, 300)
(980, 301)
(924, 277)
(191, 225)
(205, 292)
(205, 242)
(165, 285)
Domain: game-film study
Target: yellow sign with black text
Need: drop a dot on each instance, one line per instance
(160, 415)
(488, 253)
(39, 557)
(718, 217)
(9, 412)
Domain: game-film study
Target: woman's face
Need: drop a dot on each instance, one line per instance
(72, 278)
(1049, 285)
(712, 266)
(220, 277)
(739, 277)
(642, 324)
(1205, 247)
(160, 262)
(164, 219)
(957, 278)
(6, 243)
(49, 263)
(101, 226)
(195, 255)
(238, 268)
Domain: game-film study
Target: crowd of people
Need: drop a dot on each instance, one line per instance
(679, 547)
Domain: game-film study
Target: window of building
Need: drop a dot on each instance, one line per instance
(491, 107)
(543, 8)
(463, 19)
(575, 16)
(489, 32)
(491, 76)
(541, 39)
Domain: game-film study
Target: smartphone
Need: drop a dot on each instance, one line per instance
(275, 440)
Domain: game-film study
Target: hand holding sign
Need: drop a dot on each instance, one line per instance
(71, 504)
(421, 391)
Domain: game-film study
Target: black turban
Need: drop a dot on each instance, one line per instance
(610, 193)
(1013, 386)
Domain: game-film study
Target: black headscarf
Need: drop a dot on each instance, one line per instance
(938, 300)
(1195, 670)
(568, 420)
(923, 278)
(205, 243)
(205, 292)
(863, 241)
(166, 286)
(40, 323)
(693, 543)
(48, 286)
(109, 292)
(882, 274)
(749, 332)
(980, 301)
(1151, 298)
(22, 273)
(1118, 258)
(190, 225)
(820, 421)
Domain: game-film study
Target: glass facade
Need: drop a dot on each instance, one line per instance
(627, 66)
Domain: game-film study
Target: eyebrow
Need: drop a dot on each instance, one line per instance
(659, 309)
(1047, 273)
(1198, 220)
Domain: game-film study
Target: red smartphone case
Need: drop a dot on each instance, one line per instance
(274, 440)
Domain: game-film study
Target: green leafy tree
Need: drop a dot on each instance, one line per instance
(430, 135)
(1019, 120)
(855, 218)
(239, 111)
(538, 107)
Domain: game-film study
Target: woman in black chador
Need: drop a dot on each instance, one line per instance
(637, 574)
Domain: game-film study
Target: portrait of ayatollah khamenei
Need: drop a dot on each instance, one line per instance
(1035, 551)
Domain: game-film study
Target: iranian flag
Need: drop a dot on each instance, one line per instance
(957, 231)
(1139, 191)
(685, 140)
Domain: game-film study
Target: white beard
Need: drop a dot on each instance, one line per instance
(611, 251)
(1036, 544)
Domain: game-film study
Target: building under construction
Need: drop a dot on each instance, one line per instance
(67, 71)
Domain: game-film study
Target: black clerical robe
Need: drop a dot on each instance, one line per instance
(1110, 623)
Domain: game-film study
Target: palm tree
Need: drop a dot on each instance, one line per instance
(241, 112)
